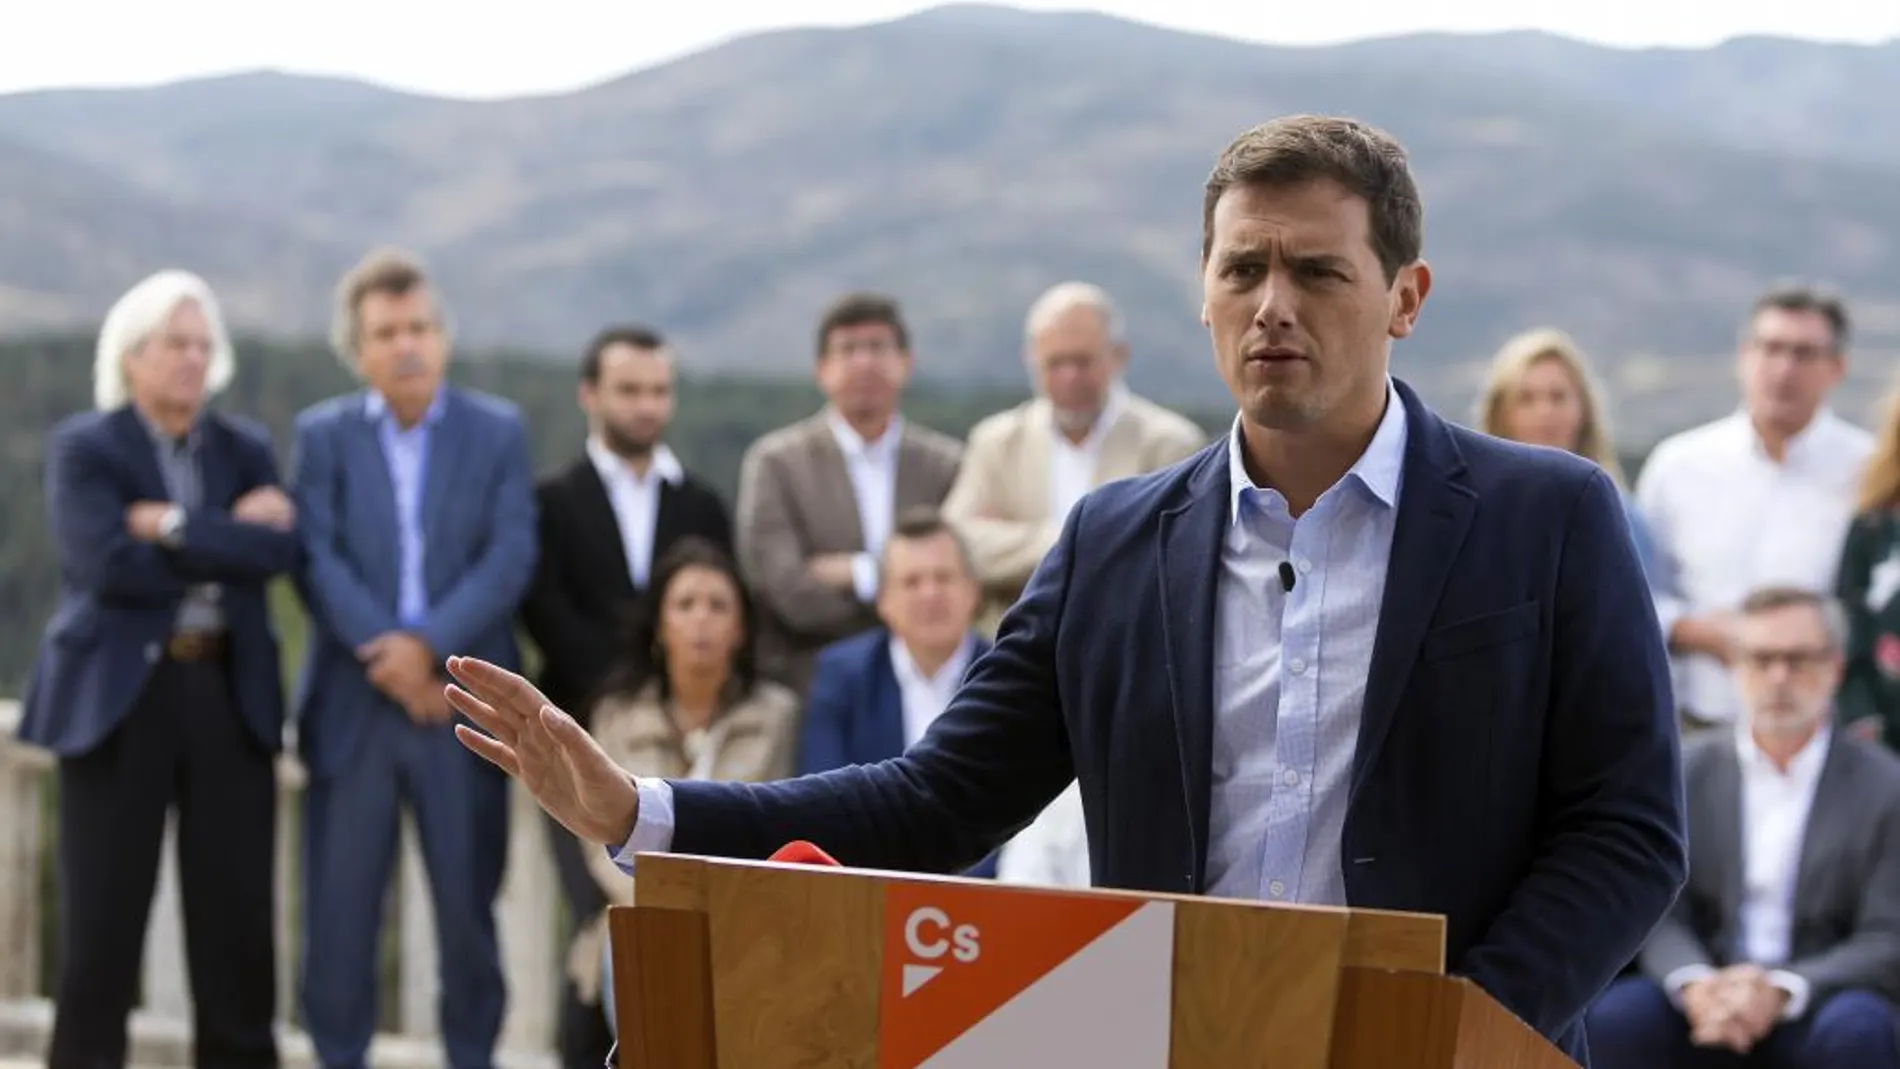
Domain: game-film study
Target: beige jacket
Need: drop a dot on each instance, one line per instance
(1001, 501)
(795, 502)
(752, 741)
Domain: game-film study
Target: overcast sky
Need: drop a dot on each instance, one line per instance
(508, 47)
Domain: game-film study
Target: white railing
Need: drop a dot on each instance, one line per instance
(532, 958)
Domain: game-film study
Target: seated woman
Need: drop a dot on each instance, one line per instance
(683, 704)
(1540, 390)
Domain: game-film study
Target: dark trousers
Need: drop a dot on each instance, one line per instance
(584, 1038)
(182, 744)
(351, 826)
(1635, 1026)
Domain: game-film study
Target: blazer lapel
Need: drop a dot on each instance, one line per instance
(600, 524)
(914, 486)
(667, 523)
(1188, 565)
(1833, 809)
(367, 475)
(1715, 820)
(1435, 509)
(884, 736)
(1120, 456)
(833, 503)
(446, 451)
(137, 442)
(217, 471)
(1030, 465)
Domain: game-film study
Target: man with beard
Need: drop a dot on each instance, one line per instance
(1025, 468)
(1761, 496)
(604, 521)
(1784, 948)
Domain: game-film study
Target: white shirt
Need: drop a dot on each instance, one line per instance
(1290, 671)
(1283, 750)
(635, 500)
(1775, 810)
(1072, 464)
(1053, 851)
(1731, 519)
(926, 696)
(872, 467)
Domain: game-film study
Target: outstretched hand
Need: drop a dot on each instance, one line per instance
(552, 755)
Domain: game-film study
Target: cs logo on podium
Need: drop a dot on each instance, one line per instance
(928, 936)
(989, 975)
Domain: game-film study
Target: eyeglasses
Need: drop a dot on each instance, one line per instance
(872, 349)
(1795, 660)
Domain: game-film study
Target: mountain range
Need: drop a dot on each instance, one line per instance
(968, 156)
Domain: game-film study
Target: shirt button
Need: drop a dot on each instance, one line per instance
(1292, 778)
(1296, 666)
(1276, 889)
(1305, 565)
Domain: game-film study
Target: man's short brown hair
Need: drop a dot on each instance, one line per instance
(859, 309)
(1793, 297)
(1297, 149)
(383, 270)
(922, 522)
(1765, 600)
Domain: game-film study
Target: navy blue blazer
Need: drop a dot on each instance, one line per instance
(119, 597)
(1517, 768)
(854, 711)
(479, 547)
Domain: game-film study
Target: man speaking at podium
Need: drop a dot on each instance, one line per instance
(1349, 654)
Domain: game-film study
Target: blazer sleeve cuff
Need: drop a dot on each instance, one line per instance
(653, 828)
(1798, 989)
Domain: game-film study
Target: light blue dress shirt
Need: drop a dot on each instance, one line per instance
(1289, 678)
(1290, 671)
(406, 453)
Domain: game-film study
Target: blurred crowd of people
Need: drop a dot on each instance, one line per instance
(821, 619)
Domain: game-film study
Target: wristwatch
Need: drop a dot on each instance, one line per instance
(171, 527)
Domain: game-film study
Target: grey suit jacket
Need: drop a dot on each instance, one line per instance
(795, 502)
(1847, 886)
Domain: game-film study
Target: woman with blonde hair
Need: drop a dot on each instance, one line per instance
(1540, 390)
(1869, 579)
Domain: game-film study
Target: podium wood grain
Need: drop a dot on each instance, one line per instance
(1388, 1019)
(755, 965)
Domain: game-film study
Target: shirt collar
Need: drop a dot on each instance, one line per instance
(376, 407)
(613, 467)
(1806, 764)
(167, 442)
(1378, 469)
(855, 446)
(952, 669)
(1801, 446)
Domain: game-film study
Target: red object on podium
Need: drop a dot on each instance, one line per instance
(800, 852)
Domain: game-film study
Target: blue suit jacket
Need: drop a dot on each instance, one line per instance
(119, 597)
(1517, 767)
(478, 517)
(854, 713)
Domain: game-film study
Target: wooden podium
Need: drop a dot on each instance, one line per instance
(759, 965)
